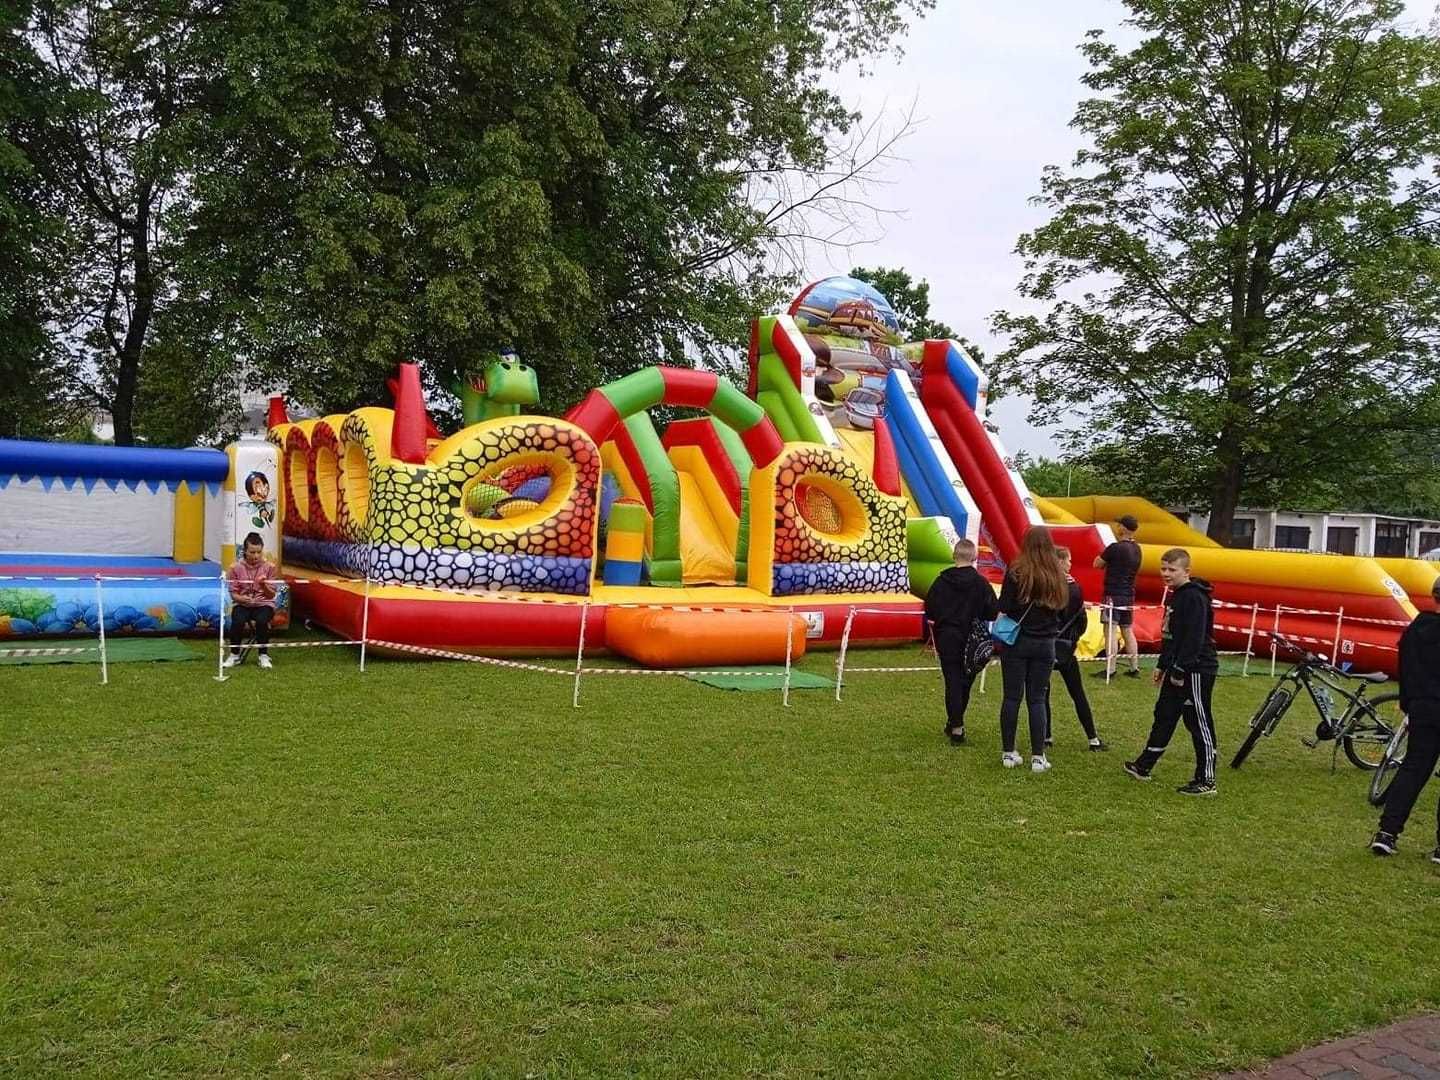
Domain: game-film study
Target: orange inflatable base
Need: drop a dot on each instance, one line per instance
(521, 625)
(677, 638)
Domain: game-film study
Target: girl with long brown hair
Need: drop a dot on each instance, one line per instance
(1034, 594)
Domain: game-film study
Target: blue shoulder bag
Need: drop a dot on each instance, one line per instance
(1005, 629)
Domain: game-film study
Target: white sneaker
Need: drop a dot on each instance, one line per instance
(231, 660)
(265, 663)
(1039, 763)
(1010, 759)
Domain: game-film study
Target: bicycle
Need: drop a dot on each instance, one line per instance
(1364, 729)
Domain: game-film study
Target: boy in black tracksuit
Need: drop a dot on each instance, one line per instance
(1420, 701)
(957, 598)
(1185, 674)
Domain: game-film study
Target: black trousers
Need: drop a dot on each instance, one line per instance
(1189, 701)
(243, 616)
(950, 648)
(1025, 668)
(1422, 752)
(1069, 669)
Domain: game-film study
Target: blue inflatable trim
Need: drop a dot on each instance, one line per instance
(135, 464)
(964, 372)
(921, 468)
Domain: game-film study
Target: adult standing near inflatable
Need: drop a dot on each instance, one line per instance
(1121, 563)
(1032, 596)
(1420, 701)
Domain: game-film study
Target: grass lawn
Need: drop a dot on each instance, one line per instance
(441, 868)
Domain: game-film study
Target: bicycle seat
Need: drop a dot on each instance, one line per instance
(1369, 676)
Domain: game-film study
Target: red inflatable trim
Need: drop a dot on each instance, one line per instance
(688, 387)
(787, 351)
(701, 432)
(276, 415)
(630, 454)
(596, 416)
(763, 442)
(886, 472)
(407, 437)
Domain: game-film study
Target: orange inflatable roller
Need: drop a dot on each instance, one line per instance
(674, 638)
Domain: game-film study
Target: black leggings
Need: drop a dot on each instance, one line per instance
(1069, 669)
(1025, 668)
(243, 615)
(1421, 754)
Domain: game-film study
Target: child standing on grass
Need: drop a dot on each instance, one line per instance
(1420, 701)
(1034, 594)
(1072, 627)
(958, 597)
(1185, 674)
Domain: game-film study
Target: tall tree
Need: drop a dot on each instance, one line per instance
(32, 233)
(130, 80)
(1241, 268)
(911, 301)
(594, 183)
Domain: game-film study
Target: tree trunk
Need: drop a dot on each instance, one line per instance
(127, 379)
(1225, 496)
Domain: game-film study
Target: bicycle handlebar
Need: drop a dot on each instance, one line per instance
(1316, 660)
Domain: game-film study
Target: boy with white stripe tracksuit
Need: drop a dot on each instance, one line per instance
(1185, 674)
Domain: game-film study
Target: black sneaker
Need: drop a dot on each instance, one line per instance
(1133, 673)
(1435, 855)
(1197, 787)
(1134, 769)
(957, 736)
(1099, 674)
(1385, 843)
(1099, 746)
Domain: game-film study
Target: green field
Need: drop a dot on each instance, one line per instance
(443, 869)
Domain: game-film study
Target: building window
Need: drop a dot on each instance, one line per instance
(1293, 536)
(1429, 541)
(1392, 538)
(1242, 533)
(1341, 540)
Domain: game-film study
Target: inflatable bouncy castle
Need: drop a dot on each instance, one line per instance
(498, 539)
(133, 539)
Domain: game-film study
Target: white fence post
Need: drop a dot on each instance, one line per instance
(1274, 646)
(365, 623)
(580, 653)
(1250, 640)
(220, 660)
(844, 644)
(1112, 640)
(100, 618)
(789, 646)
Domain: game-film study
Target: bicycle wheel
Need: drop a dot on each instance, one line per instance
(1390, 764)
(1264, 721)
(1370, 731)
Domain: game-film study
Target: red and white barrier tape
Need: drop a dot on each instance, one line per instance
(49, 652)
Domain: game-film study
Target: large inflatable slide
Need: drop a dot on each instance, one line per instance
(820, 500)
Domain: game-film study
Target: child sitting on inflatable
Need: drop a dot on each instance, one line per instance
(253, 591)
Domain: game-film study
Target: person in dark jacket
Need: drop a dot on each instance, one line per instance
(1033, 594)
(1073, 621)
(957, 598)
(1420, 702)
(1185, 674)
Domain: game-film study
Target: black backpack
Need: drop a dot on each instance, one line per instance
(979, 647)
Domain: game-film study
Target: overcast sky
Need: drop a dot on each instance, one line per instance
(994, 86)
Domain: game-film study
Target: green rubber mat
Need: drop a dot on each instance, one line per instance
(761, 677)
(118, 651)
